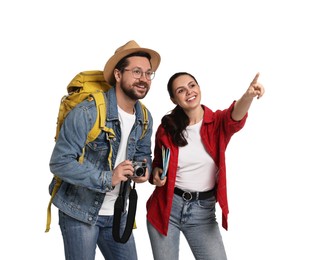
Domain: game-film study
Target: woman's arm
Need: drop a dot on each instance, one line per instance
(242, 105)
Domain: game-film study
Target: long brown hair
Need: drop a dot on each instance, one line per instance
(177, 120)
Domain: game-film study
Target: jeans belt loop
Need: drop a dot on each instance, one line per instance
(184, 196)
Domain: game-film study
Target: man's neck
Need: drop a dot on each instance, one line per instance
(125, 103)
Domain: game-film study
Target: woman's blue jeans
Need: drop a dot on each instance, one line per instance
(80, 239)
(197, 221)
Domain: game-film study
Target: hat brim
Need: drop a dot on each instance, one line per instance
(112, 62)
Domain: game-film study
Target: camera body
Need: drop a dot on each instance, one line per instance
(139, 168)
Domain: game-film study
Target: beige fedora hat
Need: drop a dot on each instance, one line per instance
(129, 48)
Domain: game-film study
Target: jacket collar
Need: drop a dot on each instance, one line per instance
(208, 115)
(112, 109)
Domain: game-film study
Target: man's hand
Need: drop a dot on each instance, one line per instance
(122, 172)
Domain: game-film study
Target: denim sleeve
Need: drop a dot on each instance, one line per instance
(69, 147)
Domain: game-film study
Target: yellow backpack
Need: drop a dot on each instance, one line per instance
(86, 85)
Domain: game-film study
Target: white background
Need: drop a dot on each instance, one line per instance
(223, 43)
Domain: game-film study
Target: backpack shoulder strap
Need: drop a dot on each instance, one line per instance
(101, 116)
(146, 121)
(99, 124)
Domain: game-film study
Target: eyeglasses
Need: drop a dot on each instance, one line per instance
(138, 73)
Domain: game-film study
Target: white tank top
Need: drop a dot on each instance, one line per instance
(196, 170)
(126, 123)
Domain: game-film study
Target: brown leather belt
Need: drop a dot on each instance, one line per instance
(188, 196)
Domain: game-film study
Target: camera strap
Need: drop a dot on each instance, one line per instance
(119, 209)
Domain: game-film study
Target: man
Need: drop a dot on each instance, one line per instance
(88, 191)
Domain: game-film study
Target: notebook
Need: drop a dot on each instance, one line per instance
(165, 160)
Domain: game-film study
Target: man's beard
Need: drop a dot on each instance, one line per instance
(132, 93)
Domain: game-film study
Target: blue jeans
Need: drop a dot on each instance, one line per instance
(197, 221)
(80, 239)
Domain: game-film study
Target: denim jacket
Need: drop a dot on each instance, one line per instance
(84, 185)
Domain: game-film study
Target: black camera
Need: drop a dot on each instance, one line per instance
(139, 169)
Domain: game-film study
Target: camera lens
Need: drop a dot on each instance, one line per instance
(139, 171)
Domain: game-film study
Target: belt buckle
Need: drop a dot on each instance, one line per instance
(185, 195)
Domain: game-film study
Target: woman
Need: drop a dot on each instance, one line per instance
(184, 201)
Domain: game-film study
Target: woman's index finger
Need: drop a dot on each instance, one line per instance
(255, 78)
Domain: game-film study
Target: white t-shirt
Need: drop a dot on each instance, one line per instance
(196, 169)
(126, 123)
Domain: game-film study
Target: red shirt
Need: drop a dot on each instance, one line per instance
(216, 131)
